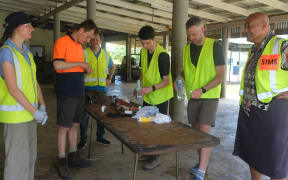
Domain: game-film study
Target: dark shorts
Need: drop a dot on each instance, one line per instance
(202, 111)
(262, 139)
(70, 110)
(163, 107)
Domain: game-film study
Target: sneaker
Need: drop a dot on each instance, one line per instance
(143, 158)
(197, 178)
(153, 162)
(81, 145)
(194, 169)
(75, 160)
(62, 169)
(199, 175)
(103, 141)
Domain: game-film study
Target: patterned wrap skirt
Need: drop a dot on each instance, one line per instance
(262, 139)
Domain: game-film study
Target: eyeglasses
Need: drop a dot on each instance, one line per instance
(29, 25)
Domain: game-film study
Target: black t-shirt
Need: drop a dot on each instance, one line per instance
(217, 53)
(163, 63)
(70, 84)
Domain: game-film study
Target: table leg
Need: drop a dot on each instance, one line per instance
(90, 141)
(135, 166)
(122, 148)
(177, 168)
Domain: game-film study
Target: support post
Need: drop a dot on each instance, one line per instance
(179, 40)
(128, 58)
(166, 41)
(57, 27)
(225, 43)
(91, 10)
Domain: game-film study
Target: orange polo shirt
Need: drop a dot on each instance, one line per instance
(69, 82)
(68, 50)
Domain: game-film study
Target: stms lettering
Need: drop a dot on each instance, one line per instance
(269, 61)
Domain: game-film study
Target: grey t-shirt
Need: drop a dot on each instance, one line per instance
(217, 53)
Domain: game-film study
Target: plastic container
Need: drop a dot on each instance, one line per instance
(145, 119)
(180, 89)
(138, 97)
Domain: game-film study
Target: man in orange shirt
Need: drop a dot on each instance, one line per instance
(68, 61)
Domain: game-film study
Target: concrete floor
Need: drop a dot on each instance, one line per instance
(110, 164)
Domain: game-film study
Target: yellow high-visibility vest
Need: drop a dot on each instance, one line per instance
(197, 77)
(269, 83)
(99, 66)
(10, 110)
(151, 76)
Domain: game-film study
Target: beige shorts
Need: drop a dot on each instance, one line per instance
(202, 111)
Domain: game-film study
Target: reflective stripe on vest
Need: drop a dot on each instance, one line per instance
(94, 79)
(18, 107)
(85, 55)
(107, 62)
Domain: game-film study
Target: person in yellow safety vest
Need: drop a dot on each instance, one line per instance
(21, 100)
(100, 62)
(157, 87)
(203, 73)
(261, 138)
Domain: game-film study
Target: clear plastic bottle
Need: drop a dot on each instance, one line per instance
(138, 89)
(180, 89)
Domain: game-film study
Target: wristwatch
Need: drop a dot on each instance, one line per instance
(203, 90)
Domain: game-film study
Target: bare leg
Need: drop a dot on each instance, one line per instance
(72, 134)
(255, 175)
(62, 133)
(204, 153)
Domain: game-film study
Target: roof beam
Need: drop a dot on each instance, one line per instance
(59, 9)
(21, 5)
(275, 4)
(128, 13)
(169, 6)
(124, 20)
(103, 25)
(134, 7)
(114, 25)
(18, 8)
(41, 2)
(273, 19)
(13, 9)
(225, 6)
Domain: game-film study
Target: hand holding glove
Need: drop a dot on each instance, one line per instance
(40, 116)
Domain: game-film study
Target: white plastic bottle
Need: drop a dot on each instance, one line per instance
(180, 89)
(138, 89)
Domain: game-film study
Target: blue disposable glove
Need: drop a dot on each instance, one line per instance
(40, 116)
(42, 108)
(44, 120)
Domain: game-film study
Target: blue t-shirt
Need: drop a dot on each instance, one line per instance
(99, 88)
(6, 54)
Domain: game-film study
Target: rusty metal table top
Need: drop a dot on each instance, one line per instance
(150, 138)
